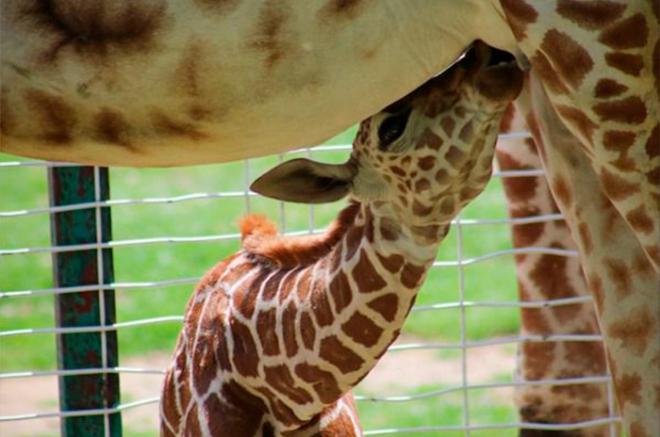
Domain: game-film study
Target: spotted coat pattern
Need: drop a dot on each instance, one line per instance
(275, 336)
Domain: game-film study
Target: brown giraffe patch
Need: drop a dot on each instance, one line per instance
(365, 275)
(630, 110)
(323, 382)
(289, 329)
(353, 239)
(266, 329)
(334, 352)
(392, 263)
(422, 185)
(280, 378)
(652, 146)
(307, 330)
(362, 330)
(269, 36)
(534, 321)
(628, 389)
(606, 88)
(636, 428)
(526, 234)
(389, 229)
(272, 284)
(386, 305)
(341, 292)
(95, 30)
(626, 34)
(111, 127)
(547, 73)
(448, 124)
(426, 163)
(635, 330)
(421, 210)
(322, 311)
(447, 206)
(442, 176)
(562, 190)
(341, 9)
(592, 14)
(412, 274)
(549, 273)
(518, 189)
(626, 62)
(429, 139)
(571, 61)
(245, 353)
(579, 120)
(616, 187)
(520, 15)
(640, 220)
(57, 119)
(617, 139)
(454, 156)
(187, 75)
(619, 274)
(222, 418)
(539, 359)
(167, 126)
(191, 424)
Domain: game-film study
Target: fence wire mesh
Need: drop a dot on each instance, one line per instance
(451, 371)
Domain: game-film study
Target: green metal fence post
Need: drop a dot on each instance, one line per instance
(71, 185)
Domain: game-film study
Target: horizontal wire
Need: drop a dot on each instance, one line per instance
(514, 251)
(505, 304)
(230, 237)
(96, 287)
(76, 372)
(514, 425)
(78, 413)
(447, 390)
(538, 338)
(92, 328)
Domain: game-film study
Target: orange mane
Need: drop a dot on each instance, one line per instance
(260, 238)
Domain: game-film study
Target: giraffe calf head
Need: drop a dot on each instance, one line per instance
(427, 154)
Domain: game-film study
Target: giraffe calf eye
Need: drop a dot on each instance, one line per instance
(392, 128)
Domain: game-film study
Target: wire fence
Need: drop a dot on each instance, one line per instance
(17, 299)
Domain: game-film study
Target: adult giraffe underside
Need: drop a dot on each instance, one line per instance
(157, 83)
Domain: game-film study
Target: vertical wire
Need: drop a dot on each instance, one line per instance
(311, 206)
(282, 208)
(246, 190)
(461, 299)
(611, 411)
(100, 276)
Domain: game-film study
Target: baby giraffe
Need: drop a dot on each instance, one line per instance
(276, 335)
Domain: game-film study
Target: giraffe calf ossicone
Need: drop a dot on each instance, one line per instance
(276, 335)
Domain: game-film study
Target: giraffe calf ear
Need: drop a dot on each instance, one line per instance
(305, 181)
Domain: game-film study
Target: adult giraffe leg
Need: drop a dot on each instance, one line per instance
(618, 272)
(545, 277)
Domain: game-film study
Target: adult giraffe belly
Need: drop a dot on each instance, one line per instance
(157, 83)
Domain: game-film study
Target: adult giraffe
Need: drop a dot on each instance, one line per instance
(154, 82)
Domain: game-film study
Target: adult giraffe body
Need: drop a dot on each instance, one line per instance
(161, 83)
(172, 83)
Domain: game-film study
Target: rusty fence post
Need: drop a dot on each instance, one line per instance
(82, 350)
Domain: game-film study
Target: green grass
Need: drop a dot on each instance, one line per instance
(432, 411)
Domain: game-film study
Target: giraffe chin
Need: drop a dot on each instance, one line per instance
(500, 83)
